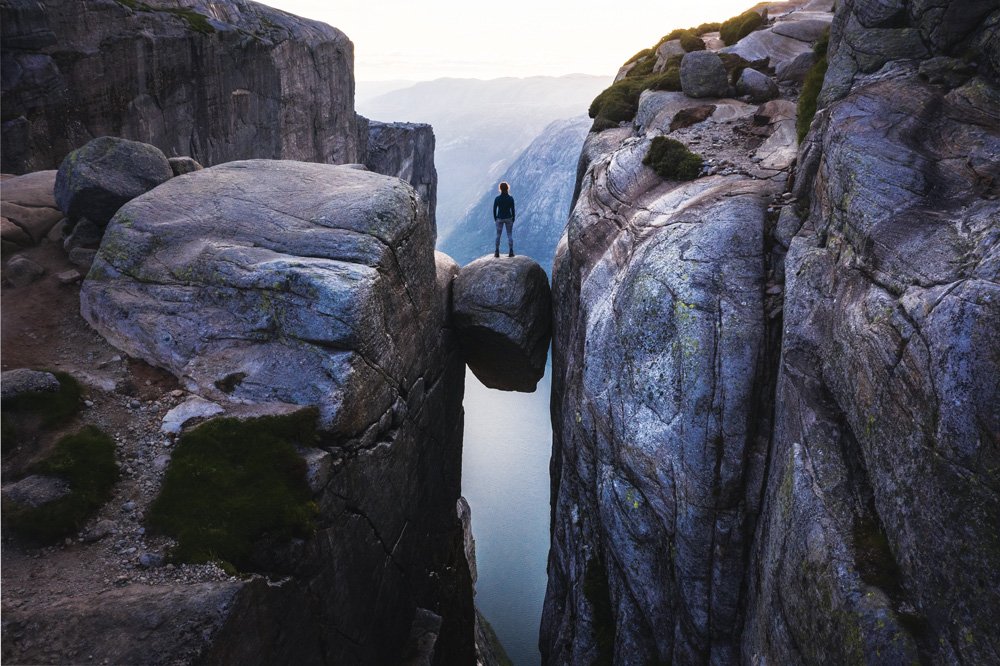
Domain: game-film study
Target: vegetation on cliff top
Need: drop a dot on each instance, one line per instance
(195, 20)
(86, 462)
(233, 483)
(620, 101)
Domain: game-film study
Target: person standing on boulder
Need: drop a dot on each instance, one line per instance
(503, 215)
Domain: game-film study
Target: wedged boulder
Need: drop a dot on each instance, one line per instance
(268, 281)
(96, 180)
(704, 75)
(502, 310)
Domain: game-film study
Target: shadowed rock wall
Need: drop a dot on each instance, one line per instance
(218, 81)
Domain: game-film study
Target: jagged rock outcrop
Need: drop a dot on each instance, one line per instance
(541, 180)
(501, 309)
(765, 458)
(266, 281)
(212, 80)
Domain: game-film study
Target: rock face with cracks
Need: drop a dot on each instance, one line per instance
(272, 281)
(218, 81)
(501, 309)
(288, 282)
(775, 424)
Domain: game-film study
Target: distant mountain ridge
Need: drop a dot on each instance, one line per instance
(480, 126)
(542, 179)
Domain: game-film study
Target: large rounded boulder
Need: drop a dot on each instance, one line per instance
(274, 281)
(94, 181)
(502, 311)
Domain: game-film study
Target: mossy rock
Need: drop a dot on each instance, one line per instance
(691, 42)
(738, 27)
(620, 101)
(671, 159)
(86, 461)
(25, 415)
(233, 484)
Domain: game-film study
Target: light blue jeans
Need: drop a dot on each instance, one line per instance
(509, 223)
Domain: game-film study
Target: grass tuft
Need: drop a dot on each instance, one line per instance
(233, 483)
(671, 160)
(811, 87)
(86, 461)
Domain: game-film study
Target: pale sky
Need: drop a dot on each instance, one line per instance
(420, 41)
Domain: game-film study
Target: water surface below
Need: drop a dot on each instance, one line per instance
(505, 478)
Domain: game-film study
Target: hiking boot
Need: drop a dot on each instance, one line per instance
(496, 253)
(511, 253)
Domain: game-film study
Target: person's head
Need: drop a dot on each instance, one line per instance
(504, 187)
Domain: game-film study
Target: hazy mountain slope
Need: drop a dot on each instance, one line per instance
(480, 126)
(541, 179)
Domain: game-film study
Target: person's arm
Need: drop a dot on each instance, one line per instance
(496, 206)
(513, 215)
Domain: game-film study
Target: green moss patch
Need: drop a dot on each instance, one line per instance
(25, 415)
(86, 461)
(672, 160)
(734, 29)
(232, 484)
(811, 87)
(691, 42)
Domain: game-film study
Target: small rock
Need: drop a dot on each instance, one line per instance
(128, 506)
(82, 257)
(68, 277)
(22, 271)
(102, 529)
(193, 407)
(161, 461)
(35, 491)
(183, 165)
(23, 380)
(88, 403)
(759, 87)
(151, 560)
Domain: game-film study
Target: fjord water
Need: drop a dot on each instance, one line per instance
(505, 478)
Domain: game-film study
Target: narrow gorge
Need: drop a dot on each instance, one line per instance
(775, 375)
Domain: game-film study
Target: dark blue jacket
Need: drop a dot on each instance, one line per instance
(503, 207)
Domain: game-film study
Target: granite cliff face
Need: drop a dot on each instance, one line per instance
(797, 464)
(218, 81)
